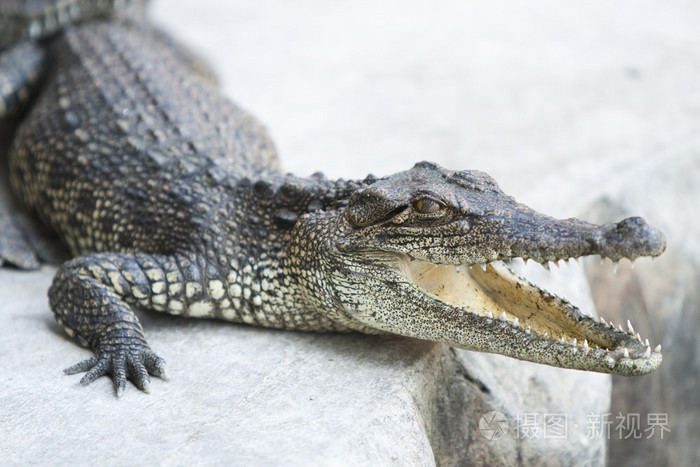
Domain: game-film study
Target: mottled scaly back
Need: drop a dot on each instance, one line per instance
(128, 113)
(35, 19)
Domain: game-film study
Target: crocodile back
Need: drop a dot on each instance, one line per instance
(124, 113)
(36, 19)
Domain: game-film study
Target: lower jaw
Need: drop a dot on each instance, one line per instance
(495, 291)
(552, 326)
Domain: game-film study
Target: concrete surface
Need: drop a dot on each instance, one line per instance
(554, 100)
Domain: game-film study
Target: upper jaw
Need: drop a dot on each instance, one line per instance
(554, 240)
(529, 235)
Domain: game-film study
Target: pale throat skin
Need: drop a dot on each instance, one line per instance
(171, 199)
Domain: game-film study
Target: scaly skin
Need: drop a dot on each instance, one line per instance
(36, 19)
(171, 199)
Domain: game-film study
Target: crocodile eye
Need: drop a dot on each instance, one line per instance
(426, 206)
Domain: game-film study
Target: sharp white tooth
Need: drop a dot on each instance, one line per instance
(658, 349)
(619, 326)
(563, 340)
(602, 320)
(625, 353)
(647, 352)
(646, 342)
(574, 342)
(515, 322)
(615, 266)
(546, 334)
(489, 315)
(611, 324)
(554, 263)
(639, 338)
(483, 266)
(527, 331)
(629, 327)
(585, 345)
(560, 262)
(503, 316)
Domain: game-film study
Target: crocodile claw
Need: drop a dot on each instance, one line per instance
(122, 364)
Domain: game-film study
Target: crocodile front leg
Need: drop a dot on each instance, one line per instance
(92, 297)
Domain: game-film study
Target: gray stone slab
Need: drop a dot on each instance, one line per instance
(246, 395)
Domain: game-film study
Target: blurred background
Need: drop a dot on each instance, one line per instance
(538, 94)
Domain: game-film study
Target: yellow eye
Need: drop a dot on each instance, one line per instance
(426, 206)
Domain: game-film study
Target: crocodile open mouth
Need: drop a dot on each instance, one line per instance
(552, 328)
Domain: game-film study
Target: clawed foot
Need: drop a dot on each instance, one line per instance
(122, 363)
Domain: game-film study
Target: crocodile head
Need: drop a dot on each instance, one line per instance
(425, 253)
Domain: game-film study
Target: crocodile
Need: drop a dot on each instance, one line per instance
(171, 198)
